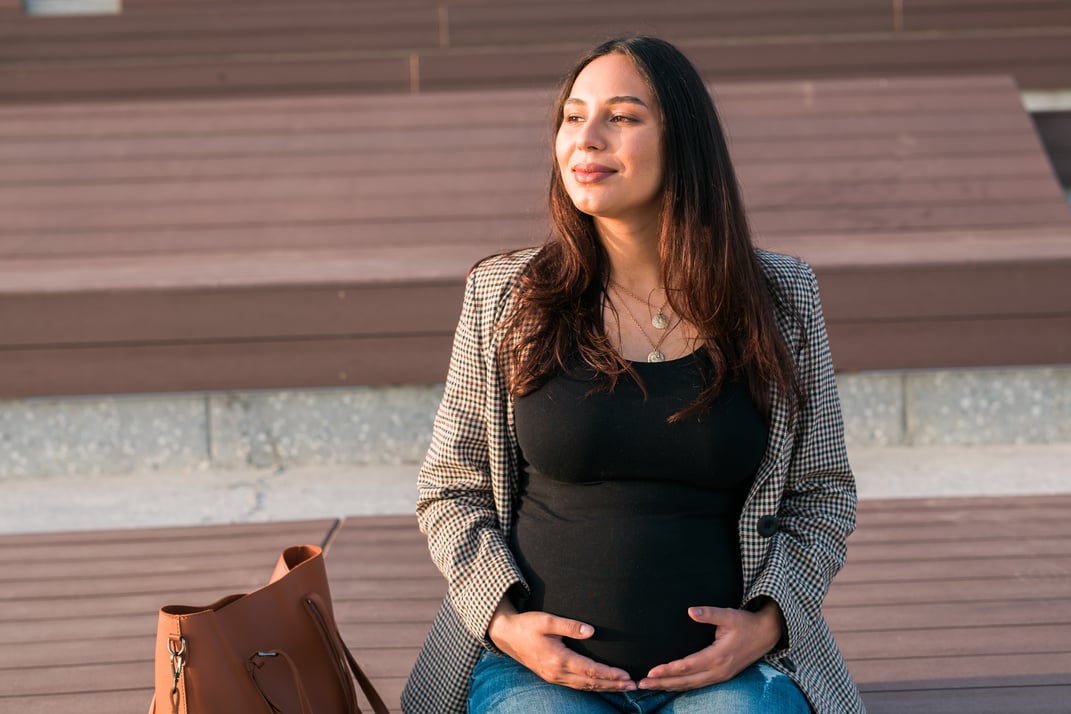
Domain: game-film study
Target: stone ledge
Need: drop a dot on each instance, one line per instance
(1023, 405)
(368, 426)
(66, 503)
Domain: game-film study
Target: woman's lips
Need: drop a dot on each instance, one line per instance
(591, 173)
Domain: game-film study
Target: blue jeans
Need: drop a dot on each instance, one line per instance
(501, 685)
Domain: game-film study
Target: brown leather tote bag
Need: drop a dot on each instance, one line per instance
(276, 650)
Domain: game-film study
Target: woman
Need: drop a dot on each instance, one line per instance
(637, 486)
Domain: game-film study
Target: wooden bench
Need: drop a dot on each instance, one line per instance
(296, 242)
(947, 605)
(156, 49)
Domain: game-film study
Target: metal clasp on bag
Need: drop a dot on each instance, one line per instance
(178, 660)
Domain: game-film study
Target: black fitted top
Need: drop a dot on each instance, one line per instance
(624, 521)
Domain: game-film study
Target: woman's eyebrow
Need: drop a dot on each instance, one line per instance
(624, 99)
(627, 99)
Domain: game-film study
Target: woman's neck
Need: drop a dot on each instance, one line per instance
(635, 262)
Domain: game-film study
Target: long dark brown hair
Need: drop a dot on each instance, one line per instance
(713, 277)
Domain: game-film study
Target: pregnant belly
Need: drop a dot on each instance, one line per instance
(633, 587)
(636, 629)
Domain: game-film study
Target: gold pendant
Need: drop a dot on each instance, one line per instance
(656, 356)
(660, 321)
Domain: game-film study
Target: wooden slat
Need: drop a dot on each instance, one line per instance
(979, 568)
(403, 243)
(958, 530)
(898, 618)
(939, 212)
(203, 77)
(1036, 680)
(867, 594)
(257, 364)
(975, 14)
(76, 607)
(225, 31)
(978, 666)
(901, 512)
(296, 313)
(946, 291)
(982, 700)
(933, 641)
(132, 700)
(1037, 59)
(164, 535)
(979, 342)
(14, 556)
(342, 198)
(591, 22)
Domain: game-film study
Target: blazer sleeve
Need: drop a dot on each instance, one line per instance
(816, 513)
(456, 501)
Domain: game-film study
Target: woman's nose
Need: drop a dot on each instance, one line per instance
(590, 137)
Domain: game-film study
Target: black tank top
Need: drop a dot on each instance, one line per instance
(624, 521)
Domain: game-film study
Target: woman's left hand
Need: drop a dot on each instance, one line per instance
(741, 638)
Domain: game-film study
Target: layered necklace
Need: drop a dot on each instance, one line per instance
(659, 320)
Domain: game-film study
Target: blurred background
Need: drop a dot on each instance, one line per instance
(235, 232)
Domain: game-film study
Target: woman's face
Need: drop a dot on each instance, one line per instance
(609, 144)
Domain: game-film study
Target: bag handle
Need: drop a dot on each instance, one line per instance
(256, 661)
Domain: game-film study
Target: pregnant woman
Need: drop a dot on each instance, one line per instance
(637, 486)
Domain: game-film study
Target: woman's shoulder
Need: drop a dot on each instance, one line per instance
(494, 274)
(790, 278)
(784, 268)
(490, 281)
(502, 266)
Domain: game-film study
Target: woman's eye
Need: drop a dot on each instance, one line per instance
(621, 119)
(573, 118)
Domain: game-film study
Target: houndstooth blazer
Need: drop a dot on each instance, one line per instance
(793, 527)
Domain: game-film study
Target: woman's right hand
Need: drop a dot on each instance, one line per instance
(535, 640)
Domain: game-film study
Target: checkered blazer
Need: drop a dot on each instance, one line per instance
(793, 527)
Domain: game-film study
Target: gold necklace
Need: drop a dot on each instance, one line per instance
(659, 319)
(656, 354)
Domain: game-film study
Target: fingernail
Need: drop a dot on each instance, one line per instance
(697, 611)
(586, 630)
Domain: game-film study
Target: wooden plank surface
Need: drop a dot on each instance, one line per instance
(1038, 59)
(78, 610)
(241, 243)
(155, 50)
(803, 171)
(946, 605)
(950, 605)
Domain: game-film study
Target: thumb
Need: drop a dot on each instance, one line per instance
(708, 615)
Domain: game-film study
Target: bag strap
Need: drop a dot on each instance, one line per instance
(370, 693)
(316, 608)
